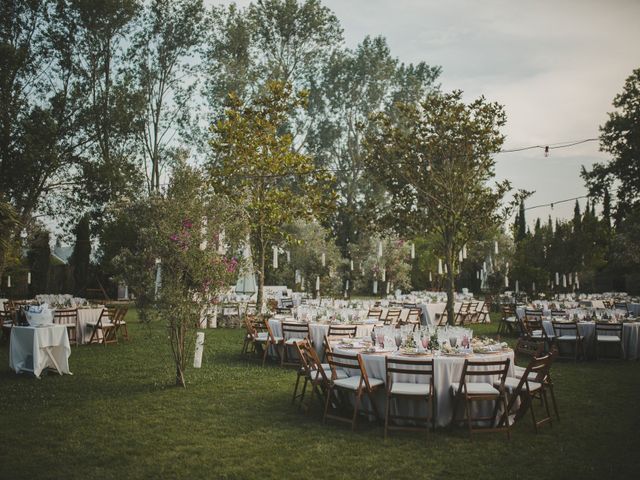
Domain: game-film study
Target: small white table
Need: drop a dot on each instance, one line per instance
(35, 348)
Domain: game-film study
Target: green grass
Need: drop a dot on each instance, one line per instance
(119, 416)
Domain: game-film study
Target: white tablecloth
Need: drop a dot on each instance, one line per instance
(2, 302)
(630, 337)
(318, 331)
(86, 315)
(35, 348)
(446, 369)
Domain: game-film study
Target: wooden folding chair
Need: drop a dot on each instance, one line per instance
(567, 333)
(621, 306)
(508, 321)
(484, 312)
(374, 313)
(469, 392)
(104, 329)
(419, 391)
(529, 386)
(464, 314)
(393, 316)
(414, 317)
(533, 328)
(337, 331)
(359, 385)
(315, 374)
(270, 341)
(68, 318)
(292, 332)
(609, 334)
(7, 321)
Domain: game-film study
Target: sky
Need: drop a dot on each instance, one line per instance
(554, 65)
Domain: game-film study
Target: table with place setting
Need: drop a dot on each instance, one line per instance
(447, 370)
(448, 366)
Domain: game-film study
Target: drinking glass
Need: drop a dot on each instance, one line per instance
(398, 341)
(453, 341)
(425, 341)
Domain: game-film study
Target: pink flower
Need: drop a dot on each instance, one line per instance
(174, 237)
(186, 223)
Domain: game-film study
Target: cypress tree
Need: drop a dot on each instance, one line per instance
(39, 256)
(606, 209)
(81, 256)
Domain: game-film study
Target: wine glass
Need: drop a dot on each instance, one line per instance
(453, 341)
(398, 341)
(425, 341)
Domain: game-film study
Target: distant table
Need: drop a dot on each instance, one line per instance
(35, 348)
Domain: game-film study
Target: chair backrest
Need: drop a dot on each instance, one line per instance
(393, 315)
(606, 328)
(508, 311)
(286, 302)
(531, 324)
(408, 366)
(473, 369)
(537, 370)
(310, 361)
(341, 331)
(621, 306)
(558, 313)
(295, 330)
(267, 327)
(564, 329)
(374, 313)
(68, 316)
(528, 348)
(414, 315)
(533, 313)
(8, 317)
(347, 361)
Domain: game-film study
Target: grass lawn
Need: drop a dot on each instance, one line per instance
(119, 416)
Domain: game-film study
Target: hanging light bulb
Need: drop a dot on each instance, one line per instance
(464, 251)
(384, 274)
(460, 256)
(375, 287)
(546, 151)
(351, 265)
(324, 260)
(379, 248)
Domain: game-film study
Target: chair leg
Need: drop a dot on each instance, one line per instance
(295, 389)
(264, 355)
(326, 405)
(386, 417)
(355, 411)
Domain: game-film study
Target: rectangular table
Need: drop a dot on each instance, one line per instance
(35, 348)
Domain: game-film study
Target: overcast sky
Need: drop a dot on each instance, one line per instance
(554, 65)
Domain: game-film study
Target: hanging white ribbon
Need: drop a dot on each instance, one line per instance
(288, 256)
(464, 251)
(557, 278)
(495, 247)
(533, 287)
(384, 274)
(379, 248)
(517, 286)
(375, 287)
(388, 287)
(324, 260)
(564, 281)
(275, 257)
(413, 251)
(351, 265)
(440, 266)
(460, 256)
(430, 277)
(318, 283)
(506, 281)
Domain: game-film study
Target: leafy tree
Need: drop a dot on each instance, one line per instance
(255, 165)
(620, 137)
(161, 62)
(80, 258)
(353, 84)
(182, 230)
(435, 159)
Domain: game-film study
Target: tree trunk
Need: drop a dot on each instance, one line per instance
(261, 261)
(450, 283)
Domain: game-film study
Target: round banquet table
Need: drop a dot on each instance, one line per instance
(317, 331)
(630, 337)
(446, 369)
